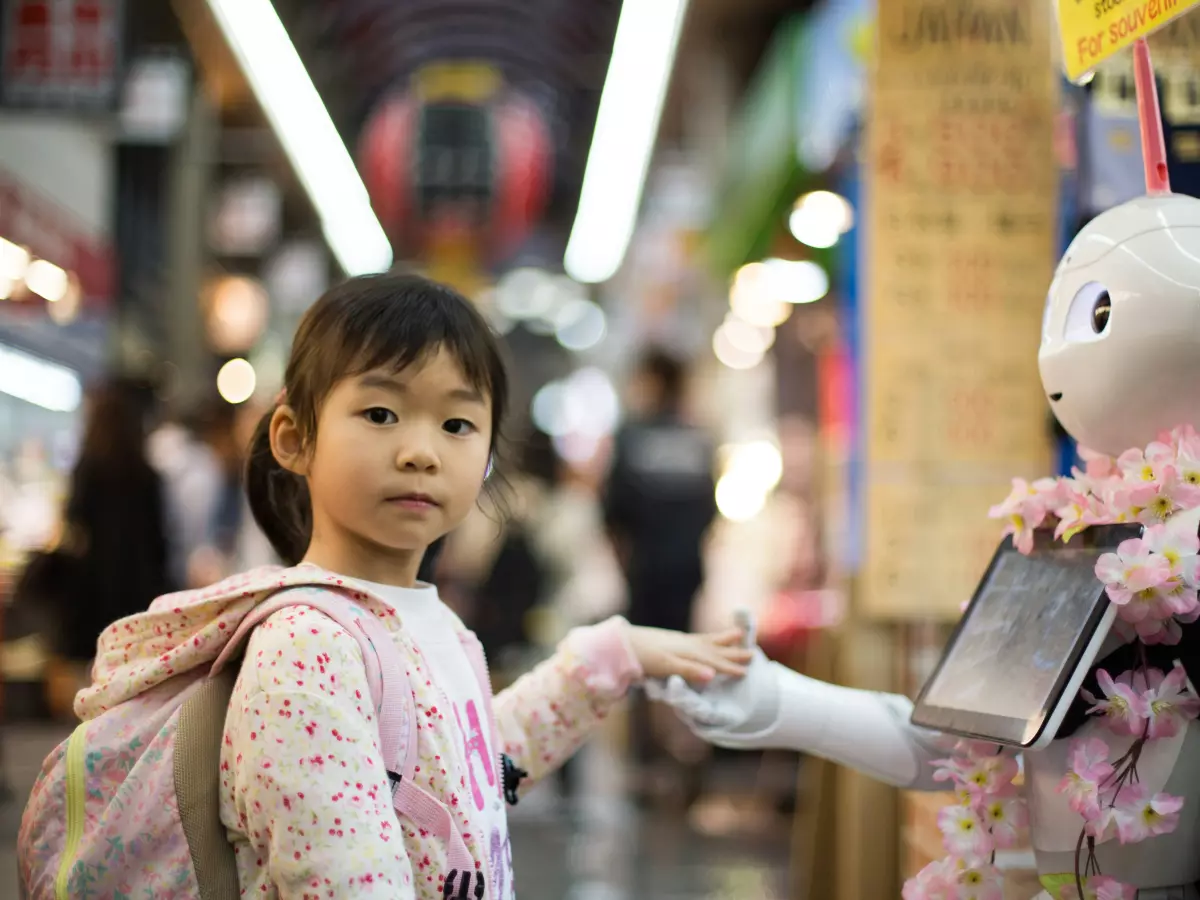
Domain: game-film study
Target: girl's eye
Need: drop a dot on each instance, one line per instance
(377, 415)
(459, 427)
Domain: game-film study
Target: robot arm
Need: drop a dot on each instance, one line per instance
(776, 708)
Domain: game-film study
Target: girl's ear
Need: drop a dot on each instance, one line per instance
(287, 442)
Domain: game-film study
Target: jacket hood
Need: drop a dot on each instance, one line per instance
(184, 632)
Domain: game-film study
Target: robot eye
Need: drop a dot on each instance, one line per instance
(1089, 313)
(1100, 312)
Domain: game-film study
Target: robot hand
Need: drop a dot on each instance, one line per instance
(728, 712)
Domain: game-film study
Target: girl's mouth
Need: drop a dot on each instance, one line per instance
(414, 502)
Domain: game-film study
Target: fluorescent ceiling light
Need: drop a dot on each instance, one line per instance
(295, 110)
(39, 381)
(626, 128)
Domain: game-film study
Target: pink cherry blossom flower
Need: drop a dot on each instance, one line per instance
(1003, 816)
(1022, 511)
(1131, 569)
(1135, 467)
(1153, 604)
(984, 882)
(1088, 769)
(937, 881)
(1142, 816)
(1098, 465)
(1151, 631)
(964, 833)
(1171, 493)
(1077, 512)
(1168, 703)
(1121, 501)
(1187, 459)
(1177, 541)
(1100, 887)
(1123, 708)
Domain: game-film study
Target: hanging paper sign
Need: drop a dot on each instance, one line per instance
(1093, 30)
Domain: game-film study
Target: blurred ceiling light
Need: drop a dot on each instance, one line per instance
(525, 293)
(236, 381)
(759, 461)
(736, 501)
(762, 312)
(584, 405)
(626, 129)
(309, 138)
(47, 280)
(820, 218)
(584, 327)
(747, 337)
(66, 310)
(802, 281)
(39, 381)
(14, 260)
(729, 354)
(751, 472)
(7, 286)
(237, 314)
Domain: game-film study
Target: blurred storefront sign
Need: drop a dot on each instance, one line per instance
(961, 231)
(61, 54)
(51, 233)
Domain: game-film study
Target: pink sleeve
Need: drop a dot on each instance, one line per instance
(547, 714)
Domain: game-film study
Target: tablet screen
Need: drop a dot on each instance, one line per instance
(1020, 640)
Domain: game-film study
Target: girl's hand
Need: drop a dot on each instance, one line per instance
(697, 658)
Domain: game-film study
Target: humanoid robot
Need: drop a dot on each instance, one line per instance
(1120, 364)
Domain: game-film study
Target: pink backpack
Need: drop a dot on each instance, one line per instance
(128, 806)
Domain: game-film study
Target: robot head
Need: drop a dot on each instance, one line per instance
(1120, 353)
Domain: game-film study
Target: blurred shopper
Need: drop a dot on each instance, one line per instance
(658, 505)
(112, 559)
(213, 534)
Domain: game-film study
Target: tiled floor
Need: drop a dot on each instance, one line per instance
(602, 848)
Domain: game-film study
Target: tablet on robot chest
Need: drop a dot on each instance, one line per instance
(1025, 644)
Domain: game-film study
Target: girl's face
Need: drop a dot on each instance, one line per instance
(399, 458)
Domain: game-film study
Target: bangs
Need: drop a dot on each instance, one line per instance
(393, 322)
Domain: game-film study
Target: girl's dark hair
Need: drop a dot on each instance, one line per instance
(365, 323)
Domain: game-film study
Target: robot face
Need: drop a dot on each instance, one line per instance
(1120, 353)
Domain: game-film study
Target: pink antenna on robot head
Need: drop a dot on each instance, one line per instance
(1154, 145)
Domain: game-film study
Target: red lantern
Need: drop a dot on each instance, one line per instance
(449, 167)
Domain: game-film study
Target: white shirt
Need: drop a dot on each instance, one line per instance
(430, 624)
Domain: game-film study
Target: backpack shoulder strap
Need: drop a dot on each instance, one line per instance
(386, 678)
(393, 700)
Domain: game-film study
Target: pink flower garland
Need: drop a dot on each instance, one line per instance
(1153, 582)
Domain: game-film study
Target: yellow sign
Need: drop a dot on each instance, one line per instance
(1093, 30)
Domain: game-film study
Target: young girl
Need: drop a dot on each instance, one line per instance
(380, 444)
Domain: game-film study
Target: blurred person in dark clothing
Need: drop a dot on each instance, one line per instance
(114, 528)
(659, 502)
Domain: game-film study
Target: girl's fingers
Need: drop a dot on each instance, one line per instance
(693, 671)
(725, 664)
(730, 638)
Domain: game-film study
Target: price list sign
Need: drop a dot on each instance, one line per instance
(961, 231)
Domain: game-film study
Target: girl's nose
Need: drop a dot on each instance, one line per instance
(417, 455)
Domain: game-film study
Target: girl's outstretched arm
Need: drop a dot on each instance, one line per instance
(304, 786)
(548, 713)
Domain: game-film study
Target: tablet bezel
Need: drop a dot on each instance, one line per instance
(1033, 732)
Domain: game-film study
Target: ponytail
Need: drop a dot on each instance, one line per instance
(278, 498)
